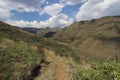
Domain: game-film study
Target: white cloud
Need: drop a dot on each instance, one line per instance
(24, 5)
(57, 19)
(19, 5)
(52, 9)
(60, 20)
(89, 10)
(98, 8)
(23, 23)
(72, 2)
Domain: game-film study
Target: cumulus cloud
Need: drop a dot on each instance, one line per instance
(52, 9)
(59, 20)
(98, 8)
(19, 5)
(23, 23)
(89, 9)
(72, 2)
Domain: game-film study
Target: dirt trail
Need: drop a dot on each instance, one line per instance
(59, 70)
(56, 69)
(60, 73)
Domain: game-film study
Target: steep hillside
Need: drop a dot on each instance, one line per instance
(15, 33)
(20, 59)
(97, 37)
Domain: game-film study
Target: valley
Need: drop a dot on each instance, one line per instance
(85, 50)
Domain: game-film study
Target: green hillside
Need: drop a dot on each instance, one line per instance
(19, 57)
(16, 34)
(95, 38)
(22, 53)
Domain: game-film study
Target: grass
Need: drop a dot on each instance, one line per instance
(17, 34)
(18, 58)
(105, 70)
(60, 49)
(17, 62)
(98, 37)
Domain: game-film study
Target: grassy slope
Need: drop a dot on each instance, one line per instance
(98, 37)
(18, 58)
(16, 34)
(17, 62)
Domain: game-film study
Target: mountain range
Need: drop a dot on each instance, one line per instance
(46, 32)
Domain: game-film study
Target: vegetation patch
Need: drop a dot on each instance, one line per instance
(17, 62)
(106, 70)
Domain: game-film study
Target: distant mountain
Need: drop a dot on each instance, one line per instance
(97, 37)
(46, 32)
(31, 30)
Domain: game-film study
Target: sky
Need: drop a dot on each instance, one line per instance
(55, 13)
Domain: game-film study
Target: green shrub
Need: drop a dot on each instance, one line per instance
(107, 70)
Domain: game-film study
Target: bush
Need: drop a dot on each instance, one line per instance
(108, 70)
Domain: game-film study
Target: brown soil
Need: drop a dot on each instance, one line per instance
(59, 70)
